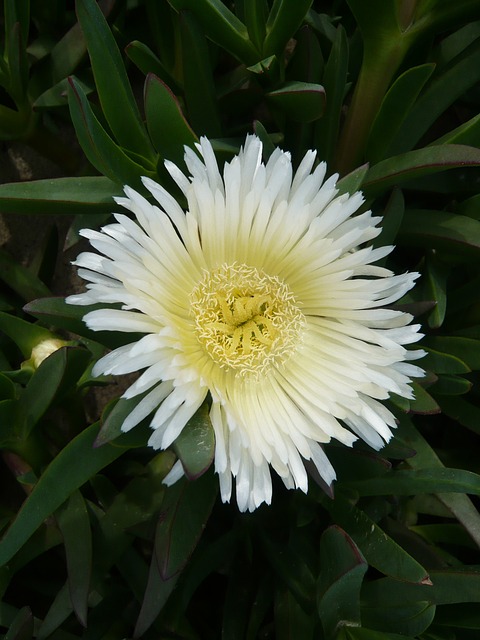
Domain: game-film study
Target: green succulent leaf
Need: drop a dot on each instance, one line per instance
(222, 26)
(185, 511)
(334, 82)
(379, 549)
(451, 83)
(425, 480)
(283, 21)
(69, 316)
(112, 81)
(72, 467)
(74, 525)
(198, 81)
(300, 101)
(105, 155)
(61, 196)
(394, 109)
(21, 279)
(441, 230)
(195, 446)
(166, 123)
(421, 162)
(342, 571)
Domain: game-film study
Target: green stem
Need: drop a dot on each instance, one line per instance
(378, 69)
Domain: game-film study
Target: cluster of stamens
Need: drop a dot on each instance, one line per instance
(246, 320)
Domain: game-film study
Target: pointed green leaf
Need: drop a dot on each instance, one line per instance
(353, 181)
(195, 446)
(66, 196)
(441, 230)
(342, 568)
(467, 349)
(379, 549)
(198, 81)
(69, 316)
(166, 123)
(435, 289)
(410, 619)
(461, 74)
(394, 109)
(334, 81)
(291, 620)
(439, 362)
(112, 81)
(72, 467)
(300, 101)
(144, 58)
(74, 525)
(284, 20)
(411, 482)
(222, 26)
(25, 334)
(421, 162)
(185, 511)
(22, 626)
(156, 594)
(423, 403)
(105, 155)
(21, 279)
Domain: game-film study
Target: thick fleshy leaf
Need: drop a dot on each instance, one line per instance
(198, 81)
(112, 81)
(467, 133)
(59, 371)
(195, 446)
(410, 619)
(423, 403)
(342, 568)
(421, 162)
(291, 620)
(105, 155)
(439, 362)
(185, 511)
(74, 525)
(166, 123)
(69, 316)
(394, 109)
(462, 411)
(453, 82)
(448, 385)
(362, 633)
(66, 196)
(156, 594)
(435, 289)
(292, 569)
(300, 101)
(466, 349)
(254, 16)
(458, 504)
(353, 181)
(25, 334)
(22, 626)
(21, 279)
(284, 19)
(411, 482)
(380, 551)
(114, 417)
(334, 81)
(60, 609)
(441, 230)
(144, 58)
(221, 26)
(448, 586)
(72, 467)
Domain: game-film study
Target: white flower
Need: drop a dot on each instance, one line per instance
(263, 294)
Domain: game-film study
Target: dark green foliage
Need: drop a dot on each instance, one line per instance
(94, 545)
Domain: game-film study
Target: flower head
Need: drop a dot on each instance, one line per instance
(264, 295)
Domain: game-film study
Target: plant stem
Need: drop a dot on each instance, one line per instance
(377, 70)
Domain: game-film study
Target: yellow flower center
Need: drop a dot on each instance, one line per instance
(246, 320)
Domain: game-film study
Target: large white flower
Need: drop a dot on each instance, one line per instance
(262, 294)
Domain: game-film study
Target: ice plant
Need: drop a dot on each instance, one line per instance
(261, 298)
